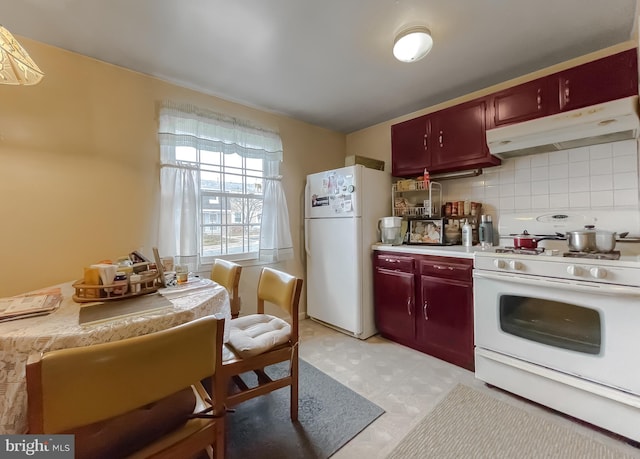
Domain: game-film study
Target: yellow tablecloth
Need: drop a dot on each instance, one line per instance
(60, 329)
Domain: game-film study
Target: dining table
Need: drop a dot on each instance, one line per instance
(62, 328)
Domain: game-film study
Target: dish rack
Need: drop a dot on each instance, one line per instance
(405, 192)
(87, 293)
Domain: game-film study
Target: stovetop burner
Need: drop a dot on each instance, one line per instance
(615, 255)
(521, 251)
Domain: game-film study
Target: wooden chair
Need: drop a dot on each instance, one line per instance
(227, 274)
(259, 340)
(138, 397)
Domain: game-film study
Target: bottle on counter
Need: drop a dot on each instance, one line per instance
(467, 234)
(134, 283)
(485, 231)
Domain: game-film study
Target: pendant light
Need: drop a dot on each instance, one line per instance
(16, 66)
(412, 44)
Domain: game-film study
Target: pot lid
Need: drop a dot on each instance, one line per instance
(588, 229)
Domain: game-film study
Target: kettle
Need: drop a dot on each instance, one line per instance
(390, 229)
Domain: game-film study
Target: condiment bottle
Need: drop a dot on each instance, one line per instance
(467, 207)
(467, 234)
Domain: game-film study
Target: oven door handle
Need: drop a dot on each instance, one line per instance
(565, 284)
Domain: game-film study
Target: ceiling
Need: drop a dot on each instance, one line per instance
(329, 62)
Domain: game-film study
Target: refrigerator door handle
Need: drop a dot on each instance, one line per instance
(306, 223)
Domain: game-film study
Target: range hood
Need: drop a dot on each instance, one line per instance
(602, 123)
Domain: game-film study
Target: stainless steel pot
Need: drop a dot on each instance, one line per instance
(582, 240)
(605, 240)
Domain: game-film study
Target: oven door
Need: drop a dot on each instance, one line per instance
(584, 329)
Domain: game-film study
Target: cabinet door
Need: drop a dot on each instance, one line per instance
(410, 153)
(523, 102)
(445, 320)
(602, 80)
(394, 293)
(459, 136)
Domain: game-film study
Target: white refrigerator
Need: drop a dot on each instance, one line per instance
(342, 209)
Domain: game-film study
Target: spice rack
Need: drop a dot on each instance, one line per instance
(406, 194)
(456, 221)
(87, 293)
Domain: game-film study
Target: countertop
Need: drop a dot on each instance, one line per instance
(457, 251)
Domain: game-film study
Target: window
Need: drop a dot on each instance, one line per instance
(220, 187)
(230, 189)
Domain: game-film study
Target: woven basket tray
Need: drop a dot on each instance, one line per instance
(86, 293)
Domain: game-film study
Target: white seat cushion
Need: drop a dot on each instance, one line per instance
(257, 333)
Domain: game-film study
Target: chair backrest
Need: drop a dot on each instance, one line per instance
(227, 274)
(74, 387)
(281, 289)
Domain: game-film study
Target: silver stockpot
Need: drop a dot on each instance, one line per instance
(582, 240)
(591, 240)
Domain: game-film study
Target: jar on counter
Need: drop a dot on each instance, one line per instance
(134, 283)
(447, 209)
(454, 209)
(461, 208)
(473, 208)
(120, 283)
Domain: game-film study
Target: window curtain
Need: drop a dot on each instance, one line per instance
(275, 234)
(187, 125)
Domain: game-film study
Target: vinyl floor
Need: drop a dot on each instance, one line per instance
(407, 384)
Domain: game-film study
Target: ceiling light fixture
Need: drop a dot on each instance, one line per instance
(412, 44)
(16, 67)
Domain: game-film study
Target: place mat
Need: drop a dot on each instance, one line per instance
(102, 312)
(329, 415)
(472, 424)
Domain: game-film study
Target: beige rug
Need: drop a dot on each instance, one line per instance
(471, 424)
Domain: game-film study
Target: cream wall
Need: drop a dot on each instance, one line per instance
(79, 168)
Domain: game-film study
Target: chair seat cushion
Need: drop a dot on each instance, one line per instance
(257, 333)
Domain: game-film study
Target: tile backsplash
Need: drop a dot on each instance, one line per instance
(597, 176)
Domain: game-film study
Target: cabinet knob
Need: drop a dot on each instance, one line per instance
(409, 306)
(424, 310)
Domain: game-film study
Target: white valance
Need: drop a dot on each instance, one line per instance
(189, 126)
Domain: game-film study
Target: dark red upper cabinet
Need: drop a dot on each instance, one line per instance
(523, 102)
(459, 140)
(410, 152)
(454, 139)
(609, 78)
